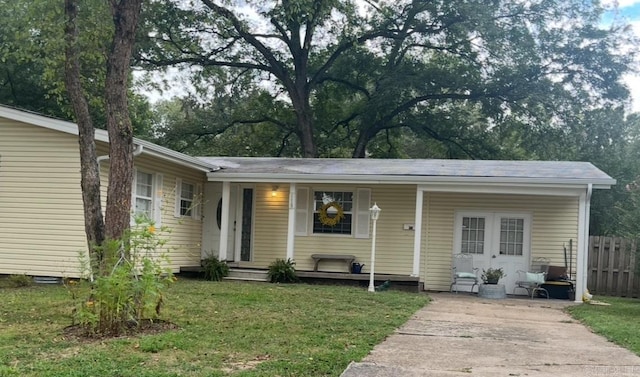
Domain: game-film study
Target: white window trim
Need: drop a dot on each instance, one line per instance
(313, 212)
(491, 216)
(305, 209)
(156, 196)
(195, 210)
(362, 213)
(302, 207)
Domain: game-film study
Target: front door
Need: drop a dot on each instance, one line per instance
(496, 240)
(244, 224)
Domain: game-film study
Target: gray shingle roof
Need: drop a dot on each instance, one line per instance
(530, 170)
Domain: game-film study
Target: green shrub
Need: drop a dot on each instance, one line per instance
(127, 285)
(214, 269)
(20, 280)
(282, 271)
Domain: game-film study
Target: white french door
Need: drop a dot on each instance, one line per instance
(496, 240)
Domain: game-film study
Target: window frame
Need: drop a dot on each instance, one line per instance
(350, 214)
(473, 237)
(195, 205)
(188, 211)
(136, 196)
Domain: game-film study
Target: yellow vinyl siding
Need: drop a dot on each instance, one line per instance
(269, 225)
(554, 222)
(41, 215)
(394, 246)
(185, 232)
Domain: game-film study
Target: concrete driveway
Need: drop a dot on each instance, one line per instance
(463, 335)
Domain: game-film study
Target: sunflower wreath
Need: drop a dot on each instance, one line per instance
(325, 219)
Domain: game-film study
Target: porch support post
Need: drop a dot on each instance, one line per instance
(582, 254)
(224, 223)
(417, 232)
(291, 229)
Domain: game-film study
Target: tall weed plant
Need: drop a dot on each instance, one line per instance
(127, 284)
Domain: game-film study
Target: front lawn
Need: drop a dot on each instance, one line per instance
(226, 329)
(617, 322)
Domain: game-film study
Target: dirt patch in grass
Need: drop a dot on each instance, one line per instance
(146, 327)
(245, 365)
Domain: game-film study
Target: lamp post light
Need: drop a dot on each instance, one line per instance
(375, 213)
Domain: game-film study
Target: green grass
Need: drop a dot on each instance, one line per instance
(226, 329)
(619, 322)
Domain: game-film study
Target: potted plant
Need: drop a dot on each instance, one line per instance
(492, 275)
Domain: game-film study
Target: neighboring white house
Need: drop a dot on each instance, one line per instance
(254, 210)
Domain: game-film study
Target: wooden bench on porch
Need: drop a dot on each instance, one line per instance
(347, 258)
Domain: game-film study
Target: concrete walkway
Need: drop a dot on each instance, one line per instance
(463, 335)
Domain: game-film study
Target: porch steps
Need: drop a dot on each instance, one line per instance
(247, 275)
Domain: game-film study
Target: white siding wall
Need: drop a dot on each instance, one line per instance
(41, 216)
(554, 222)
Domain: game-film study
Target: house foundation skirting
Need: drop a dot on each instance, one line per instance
(396, 282)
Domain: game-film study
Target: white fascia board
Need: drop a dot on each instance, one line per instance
(509, 189)
(47, 122)
(102, 135)
(173, 156)
(221, 175)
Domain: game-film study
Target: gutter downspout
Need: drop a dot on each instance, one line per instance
(136, 153)
(583, 243)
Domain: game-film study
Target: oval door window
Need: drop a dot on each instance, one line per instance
(219, 214)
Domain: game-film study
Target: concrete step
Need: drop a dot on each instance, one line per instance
(247, 274)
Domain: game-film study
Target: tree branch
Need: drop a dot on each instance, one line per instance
(205, 62)
(346, 83)
(277, 68)
(341, 49)
(283, 143)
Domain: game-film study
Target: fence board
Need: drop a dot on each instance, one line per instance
(632, 268)
(619, 267)
(600, 265)
(612, 266)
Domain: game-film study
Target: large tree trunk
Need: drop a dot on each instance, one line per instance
(304, 115)
(90, 171)
(305, 126)
(360, 149)
(125, 18)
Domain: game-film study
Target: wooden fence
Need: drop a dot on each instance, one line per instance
(613, 270)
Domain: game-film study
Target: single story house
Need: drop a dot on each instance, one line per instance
(252, 211)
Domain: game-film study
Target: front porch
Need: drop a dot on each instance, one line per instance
(400, 282)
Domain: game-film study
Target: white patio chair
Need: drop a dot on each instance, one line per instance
(463, 272)
(532, 280)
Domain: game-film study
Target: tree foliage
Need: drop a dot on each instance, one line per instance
(363, 74)
(33, 60)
